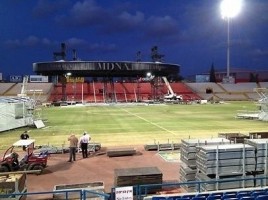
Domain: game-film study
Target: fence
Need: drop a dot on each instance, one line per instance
(140, 191)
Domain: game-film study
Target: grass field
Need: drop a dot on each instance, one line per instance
(138, 125)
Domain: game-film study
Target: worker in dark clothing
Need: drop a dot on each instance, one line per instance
(15, 160)
(24, 136)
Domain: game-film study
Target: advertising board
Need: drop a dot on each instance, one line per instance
(38, 79)
(15, 78)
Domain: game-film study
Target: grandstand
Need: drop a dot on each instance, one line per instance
(38, 91)
(133, 92)
(5, 87)
(94, 92)
(129, 82)
(226, 92)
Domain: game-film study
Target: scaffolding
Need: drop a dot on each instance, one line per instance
(15, 112)
(263, 102)
(262, 112)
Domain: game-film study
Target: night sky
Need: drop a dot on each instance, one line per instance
(190, 33)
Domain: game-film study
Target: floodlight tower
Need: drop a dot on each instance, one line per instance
(229, 9)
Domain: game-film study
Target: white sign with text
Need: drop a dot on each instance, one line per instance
(124, 193)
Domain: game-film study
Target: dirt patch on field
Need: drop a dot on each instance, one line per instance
(97, 168)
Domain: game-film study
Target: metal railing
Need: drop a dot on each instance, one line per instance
(82, 193)
(139, 191)
(143, 189)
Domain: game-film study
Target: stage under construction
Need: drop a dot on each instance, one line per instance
(108, 72)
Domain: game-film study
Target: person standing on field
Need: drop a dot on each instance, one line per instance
(84, 140)
(24, 136)
(73, 146)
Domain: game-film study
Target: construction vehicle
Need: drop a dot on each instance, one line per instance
(171, 96)
(15, 159)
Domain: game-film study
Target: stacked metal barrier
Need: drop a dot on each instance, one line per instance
(225, 162)
(218, 159)
(261, 170)
(189, 149)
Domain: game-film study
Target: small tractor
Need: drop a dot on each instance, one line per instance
(16, 159)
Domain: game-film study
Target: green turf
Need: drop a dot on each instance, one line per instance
(139, 125)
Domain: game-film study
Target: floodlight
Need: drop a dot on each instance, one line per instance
(149, 74)
(68, 74)
(230, 8)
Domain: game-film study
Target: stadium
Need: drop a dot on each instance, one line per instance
(160, 138)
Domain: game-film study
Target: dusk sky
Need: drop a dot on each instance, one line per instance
(190, 33)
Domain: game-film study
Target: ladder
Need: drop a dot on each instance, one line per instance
(23, 91)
